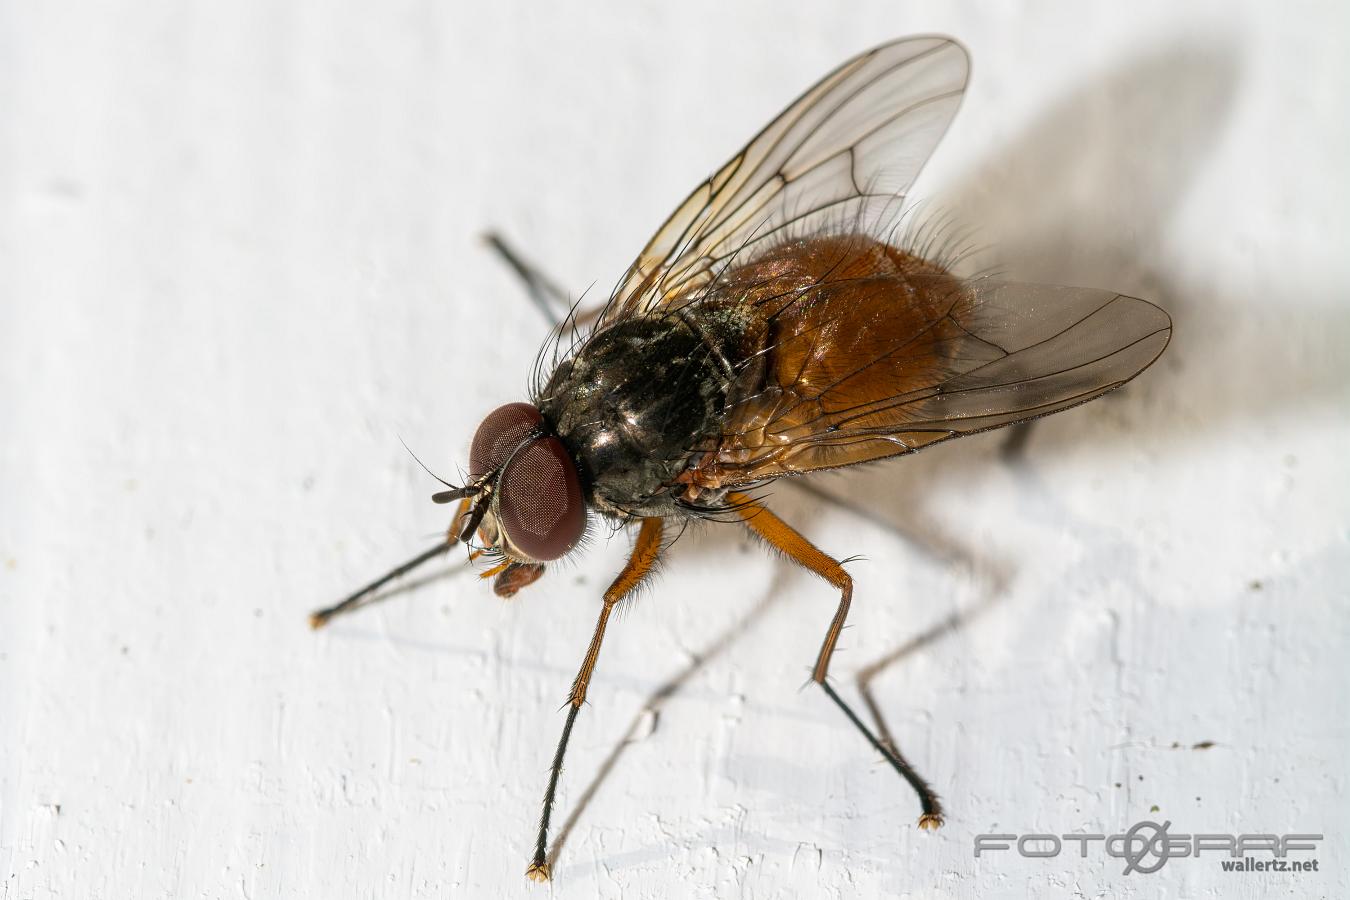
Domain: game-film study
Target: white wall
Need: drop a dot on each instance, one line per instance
(239, 261)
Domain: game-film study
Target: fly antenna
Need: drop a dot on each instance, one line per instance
(455, 493)
(431, 473)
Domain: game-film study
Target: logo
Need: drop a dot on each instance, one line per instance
(1147, 846)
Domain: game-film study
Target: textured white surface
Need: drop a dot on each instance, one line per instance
(239, 260)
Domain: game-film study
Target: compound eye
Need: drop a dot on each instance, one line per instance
(540, 508)
(500, 434)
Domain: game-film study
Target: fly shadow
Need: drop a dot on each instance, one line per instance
(1115, 157)
(1053, 202)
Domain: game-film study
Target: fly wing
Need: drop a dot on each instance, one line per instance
(844, 153)
(872, 368)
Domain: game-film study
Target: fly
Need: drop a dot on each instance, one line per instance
(772, 329)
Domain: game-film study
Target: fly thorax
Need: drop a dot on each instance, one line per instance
(633, 403)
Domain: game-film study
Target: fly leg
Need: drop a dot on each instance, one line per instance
(544, 292)
(1015, 444)
(547, 297)
(646, 551)
(786, 540)
(363, 597)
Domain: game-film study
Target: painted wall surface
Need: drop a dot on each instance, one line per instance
(240, 259)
